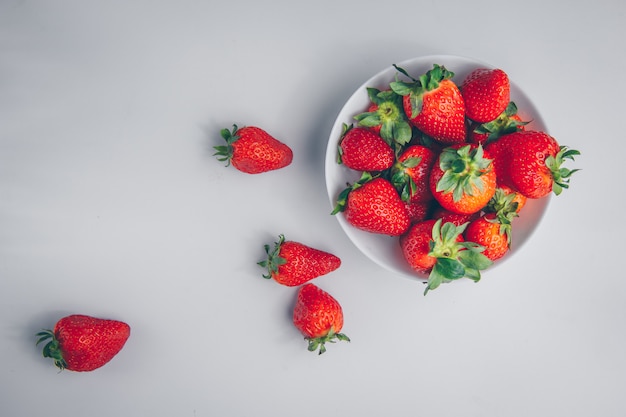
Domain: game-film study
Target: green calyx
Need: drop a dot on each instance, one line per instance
(416, 88)
(273, 260)
(319, 343)
(51, 348)
(225, 152)
(455, 259)
(502, 125)
(342, 199)
(462, 171)
(402, 180)
(561, 176)
(394, 127)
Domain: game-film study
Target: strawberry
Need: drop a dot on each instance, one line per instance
(433, 104)
(82, 343)
(411, 171)
(463, 179)
(292, 263)
(507, 122)
(372, 204)
(252, 150)
(319, 317)
(486, 93)
(386, 117)
(530, 162)
(489, 232)
(363, 150)
(439, 249)
(417, 210)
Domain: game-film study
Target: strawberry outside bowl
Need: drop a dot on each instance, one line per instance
(385, 250)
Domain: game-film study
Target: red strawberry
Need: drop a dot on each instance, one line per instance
(486, 93)
(463, 179)
(417, 210)
(292, 263)
(411, 171)
(83, 343)
(433, 104)
(252, 150)
(373, 205)
(507, 122)
(490, 233)
(430, 247)
(530, 162)
(385, 116)
(363, 150)
(319, 317)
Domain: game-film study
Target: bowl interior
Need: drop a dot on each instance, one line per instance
(385, 250)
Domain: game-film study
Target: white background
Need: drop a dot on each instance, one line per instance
(111, 204)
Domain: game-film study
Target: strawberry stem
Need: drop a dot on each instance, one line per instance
(273, 260)
(51, 348)
(318, 343)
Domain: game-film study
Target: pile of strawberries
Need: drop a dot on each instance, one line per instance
(446, 168)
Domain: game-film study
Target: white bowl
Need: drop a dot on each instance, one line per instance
(385, 250)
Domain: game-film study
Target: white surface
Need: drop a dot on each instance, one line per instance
(385, 250)
(112, 205)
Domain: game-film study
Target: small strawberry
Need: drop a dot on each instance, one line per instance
(486, 93)
(252, 150)
(386, 117)
(440, 250)
(82, 343)
(463, 179)
(433, 104)
(411, 171)
(530, 162)
(319, 317)
(507, 122)
(292, 263)
(373, 205)
(489, 232)
(363, 150)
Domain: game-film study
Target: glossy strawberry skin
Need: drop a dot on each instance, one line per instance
(86, 343)
(520, 161)
(415, 245)
(252, 150)
(362, 149)
(376, 207)
(319, 317)
(293, 263)
(316, 311)
(486, 93)
(487, 232)
(442, 115)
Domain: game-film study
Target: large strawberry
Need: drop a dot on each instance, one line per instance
(252, 150)
(385, 116)
(82, 343)
(293, 263)
(463, 179)
(319, 317)
(439, 249)
(362, 149)
(433, 104)
(373, 204)
(411, 172)
(531, 162)
(486, 93)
